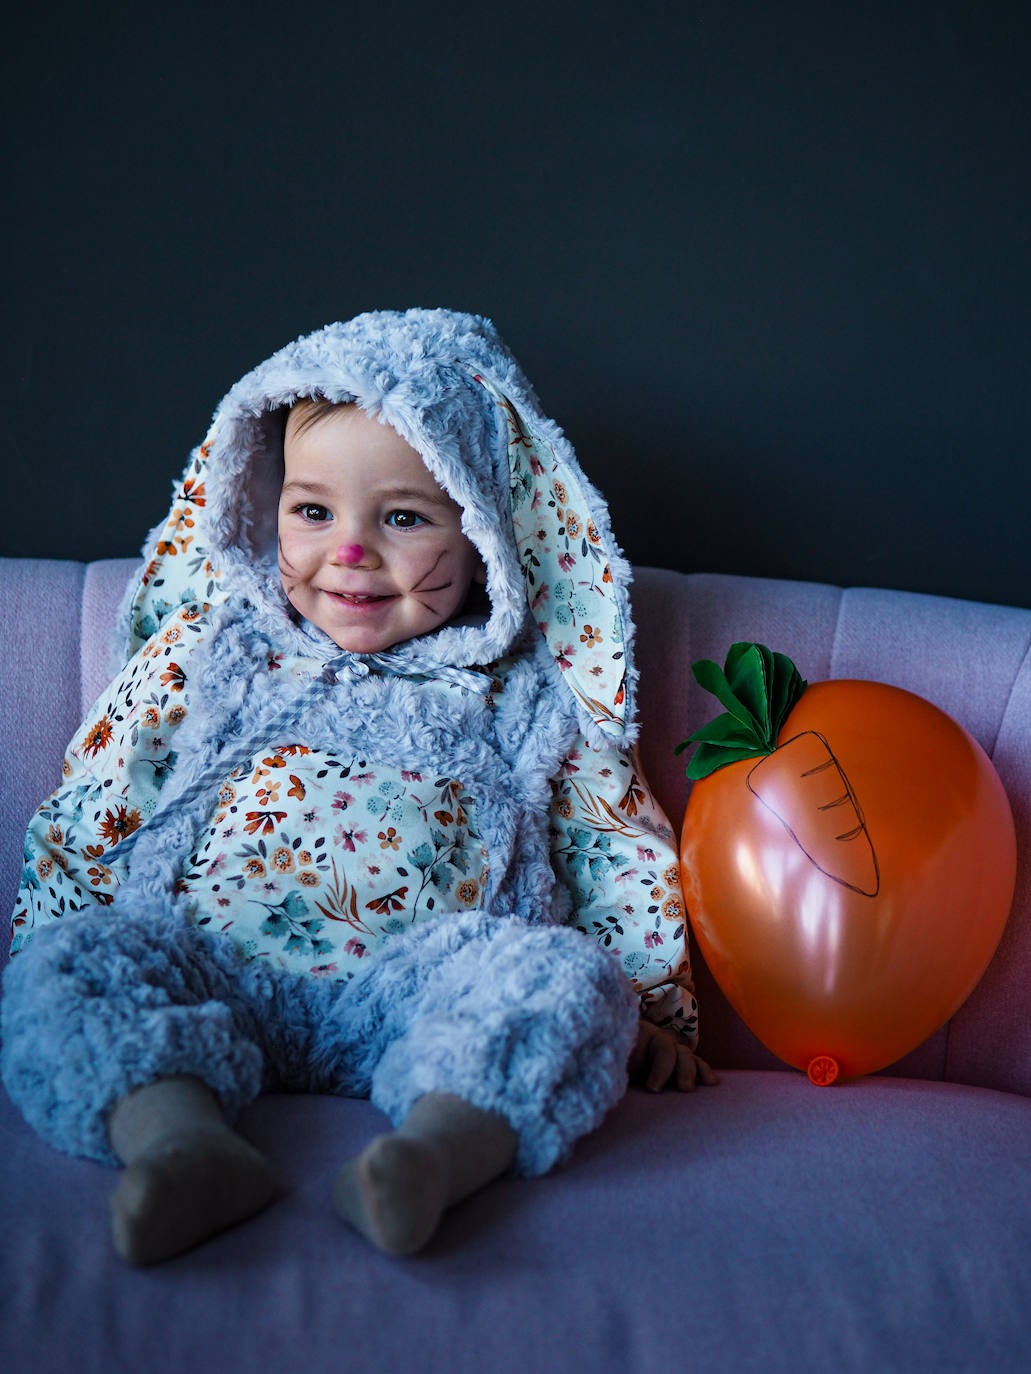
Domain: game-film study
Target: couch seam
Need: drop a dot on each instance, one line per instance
(1009, 696)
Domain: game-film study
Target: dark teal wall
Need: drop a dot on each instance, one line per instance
(767, 263)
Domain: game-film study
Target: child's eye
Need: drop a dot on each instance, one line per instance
(404, 520)
(313, 513)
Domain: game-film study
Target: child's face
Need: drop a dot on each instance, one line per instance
(371, 549)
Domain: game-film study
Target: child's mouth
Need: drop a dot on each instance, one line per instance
(359, 601)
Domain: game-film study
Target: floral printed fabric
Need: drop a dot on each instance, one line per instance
(567, 573)
(614, 849)
(312, 859)
(180, 569)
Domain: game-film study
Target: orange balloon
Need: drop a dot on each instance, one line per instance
(849, 889)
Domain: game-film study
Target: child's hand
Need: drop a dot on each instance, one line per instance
(662, 1058)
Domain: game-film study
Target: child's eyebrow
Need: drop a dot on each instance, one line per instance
(429, 495)
(299, 485)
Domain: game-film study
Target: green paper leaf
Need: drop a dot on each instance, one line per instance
(728, 731)
(712, 678)
(709, 758)
(749, 671)
(758, 689)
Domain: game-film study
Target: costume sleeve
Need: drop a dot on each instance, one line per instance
(112, 773)
(615, 852)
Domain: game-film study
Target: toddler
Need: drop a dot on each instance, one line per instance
(360, 812)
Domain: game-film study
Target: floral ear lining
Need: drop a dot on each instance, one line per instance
(178, 568)
(567, 570)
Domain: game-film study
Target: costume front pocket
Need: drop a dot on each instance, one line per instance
(313, 860)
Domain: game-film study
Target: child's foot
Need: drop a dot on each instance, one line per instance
(185, 1189)
(187, 1174)
(395, 1193)
(399, 1187)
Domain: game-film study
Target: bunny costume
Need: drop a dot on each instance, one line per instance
(273, 864)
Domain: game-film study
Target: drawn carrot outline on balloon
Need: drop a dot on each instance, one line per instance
(759, 689)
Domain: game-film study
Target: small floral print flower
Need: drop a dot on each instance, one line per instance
(356, 948)
(55, 834)
(652, 939)
(172, 635)
(265, 821)
(281, 860)
(573, 526)
(390, 901)
(100, 874)
(592, 532)
(118, 823)
(390, 840)
(175, 715)
(645, 854)
(342, 801)
(633, 797)
(566, 562)
(349, 839)
(304, 856)
(226, 794)
(467, 892)
(307, 878)
(565, 808)
(671, 875)
(150, 718)
(254, 868)
(99, 738)
(561, 495)
(44, 868)
(174, 678)
(590, 636)
(672, 909)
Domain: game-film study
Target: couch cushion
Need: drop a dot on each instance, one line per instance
(761, 1225)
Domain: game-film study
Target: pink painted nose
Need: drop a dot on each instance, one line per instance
(350, 554)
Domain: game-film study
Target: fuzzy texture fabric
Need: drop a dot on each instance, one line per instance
(274, 862)
(478, 1006)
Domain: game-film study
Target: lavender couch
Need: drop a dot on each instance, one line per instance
(761, 1225)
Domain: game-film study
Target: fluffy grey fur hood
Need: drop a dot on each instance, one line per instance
(449, 386)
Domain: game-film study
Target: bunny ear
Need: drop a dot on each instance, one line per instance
(574, 574)
(177, 567)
